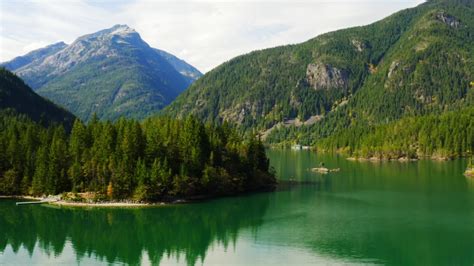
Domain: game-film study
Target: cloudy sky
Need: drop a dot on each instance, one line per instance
(204, 33)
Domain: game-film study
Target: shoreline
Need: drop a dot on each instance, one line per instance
(115, 204)
(349, 157)
(104, 204)
(377, 159)
(21, 197)
(131, 204)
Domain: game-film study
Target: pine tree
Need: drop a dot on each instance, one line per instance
(41, 171)
(144, 190)
(58, 180)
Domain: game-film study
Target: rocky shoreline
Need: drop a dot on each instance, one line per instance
(89, 199)
(69, 203)
(377, 159)
(400, 159)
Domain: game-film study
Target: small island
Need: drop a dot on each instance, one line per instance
(159, 160)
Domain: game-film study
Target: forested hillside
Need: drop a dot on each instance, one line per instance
(439, 136)
(418, 61)
(17, 98)
(159, 159)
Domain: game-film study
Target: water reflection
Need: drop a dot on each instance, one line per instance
(122, 235)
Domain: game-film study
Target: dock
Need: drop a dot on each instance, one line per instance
(46, 200)
(29, 202)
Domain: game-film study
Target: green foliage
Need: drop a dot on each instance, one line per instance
(448, 135)
(159, 159)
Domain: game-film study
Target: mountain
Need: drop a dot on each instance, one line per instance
(36, 55)
(16, 96)
(112, 73)
(418, 61)
(189, 72)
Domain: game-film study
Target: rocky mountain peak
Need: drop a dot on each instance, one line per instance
(121, 29)
(104, 43)
(118, 31)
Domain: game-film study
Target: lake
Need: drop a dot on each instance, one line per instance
(417, 213)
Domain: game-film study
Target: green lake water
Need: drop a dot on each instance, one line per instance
(419, 213)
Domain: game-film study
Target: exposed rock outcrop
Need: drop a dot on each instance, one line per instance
(393, 67)
(360, 46)
(397, 73)
(240, 112)
(448, 19)
(324, 76)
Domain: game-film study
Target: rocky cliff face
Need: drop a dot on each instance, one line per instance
(322, 76)
(448, 19)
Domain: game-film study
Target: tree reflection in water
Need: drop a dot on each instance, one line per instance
(122, 235)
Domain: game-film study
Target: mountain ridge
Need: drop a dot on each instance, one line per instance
(371, 74)
(112, 73)
(20, 61)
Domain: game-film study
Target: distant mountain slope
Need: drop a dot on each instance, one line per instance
(17, 96)
(112, 72)
(187, 70)
(39, 54)
(417, 61)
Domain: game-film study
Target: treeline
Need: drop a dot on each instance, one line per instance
(158, 159)
(445, 136)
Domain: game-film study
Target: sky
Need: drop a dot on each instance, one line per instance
(203, 33)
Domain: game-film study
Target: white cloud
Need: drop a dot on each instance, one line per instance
(204, 33)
